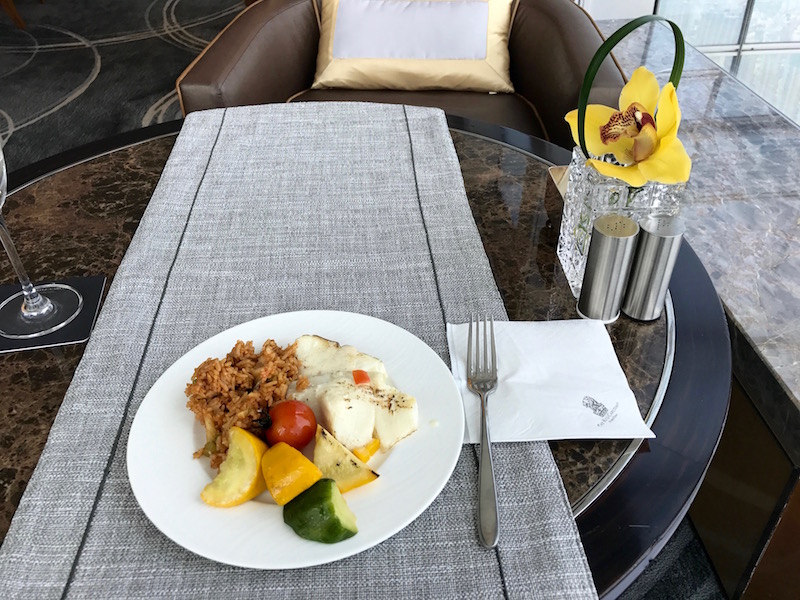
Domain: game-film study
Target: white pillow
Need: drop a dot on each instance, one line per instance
(415, 45)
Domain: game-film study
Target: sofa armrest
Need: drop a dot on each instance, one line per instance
(267, 53)
(551, 44)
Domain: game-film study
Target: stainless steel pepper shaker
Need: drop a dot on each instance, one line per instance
(656, 253)
(608, 264)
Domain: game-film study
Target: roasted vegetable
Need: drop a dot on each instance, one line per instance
(338, 463)
(368, 450)
(287, 472)
(321, 514)
(240, 478)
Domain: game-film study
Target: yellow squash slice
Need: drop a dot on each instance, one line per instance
(239, 478)
(338, 463)
(287, 472)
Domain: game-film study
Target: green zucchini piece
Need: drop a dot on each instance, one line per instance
(321, 514)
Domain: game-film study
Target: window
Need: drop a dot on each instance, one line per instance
(757, 41)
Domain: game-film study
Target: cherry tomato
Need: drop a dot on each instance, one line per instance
(293, 422)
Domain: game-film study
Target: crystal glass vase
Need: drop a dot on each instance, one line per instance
(590, 195)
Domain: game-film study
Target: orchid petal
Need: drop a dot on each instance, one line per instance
(597, 115)
(668, 164)
(622, 124)
(622, 150)
(644, 144)
(642, 88)
(668, 118)
(630, 175)
(620, 135)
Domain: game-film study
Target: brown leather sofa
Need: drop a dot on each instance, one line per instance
(268, 54)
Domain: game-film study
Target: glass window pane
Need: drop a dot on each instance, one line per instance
(775, 76)
(725, 61)
(774, 21)
(706, 22)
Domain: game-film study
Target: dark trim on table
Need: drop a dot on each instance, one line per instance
(629, 523)
(31, 173)
(543, 150)
(632, 521)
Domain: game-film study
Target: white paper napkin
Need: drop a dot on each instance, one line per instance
(556, 380)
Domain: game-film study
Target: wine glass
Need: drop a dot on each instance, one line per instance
(32, 312)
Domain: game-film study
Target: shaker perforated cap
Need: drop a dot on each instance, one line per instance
(617, 226)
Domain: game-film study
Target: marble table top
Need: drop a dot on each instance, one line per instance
(742, 211)
(80, 220)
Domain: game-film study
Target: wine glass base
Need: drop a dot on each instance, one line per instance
(67, 304)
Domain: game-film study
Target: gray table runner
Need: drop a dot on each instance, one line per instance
(261, 210)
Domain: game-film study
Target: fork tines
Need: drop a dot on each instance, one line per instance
(481, 355)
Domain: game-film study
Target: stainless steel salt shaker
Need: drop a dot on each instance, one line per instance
(656, 253)
(608, 264)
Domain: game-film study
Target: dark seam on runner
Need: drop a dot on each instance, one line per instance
(499, 561)
(441, 305)
(422, 214)
(496, 549)
(124, 418)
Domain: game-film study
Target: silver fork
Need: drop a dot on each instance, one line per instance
(482, 379)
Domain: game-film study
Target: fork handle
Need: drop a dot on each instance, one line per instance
(487, 494)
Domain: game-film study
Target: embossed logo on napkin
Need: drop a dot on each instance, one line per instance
(601, 410)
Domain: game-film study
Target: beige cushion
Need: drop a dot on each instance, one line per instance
(415, 45)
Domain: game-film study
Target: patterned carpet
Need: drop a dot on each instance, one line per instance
(85, 70)
(681, 571)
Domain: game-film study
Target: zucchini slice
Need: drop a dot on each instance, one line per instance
(321, 514)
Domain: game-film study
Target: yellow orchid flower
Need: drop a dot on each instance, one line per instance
(642, 135)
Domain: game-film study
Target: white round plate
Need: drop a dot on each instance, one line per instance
(167, 481)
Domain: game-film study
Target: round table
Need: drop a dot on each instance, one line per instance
(75, 214)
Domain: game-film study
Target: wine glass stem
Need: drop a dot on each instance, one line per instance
(34, 304)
